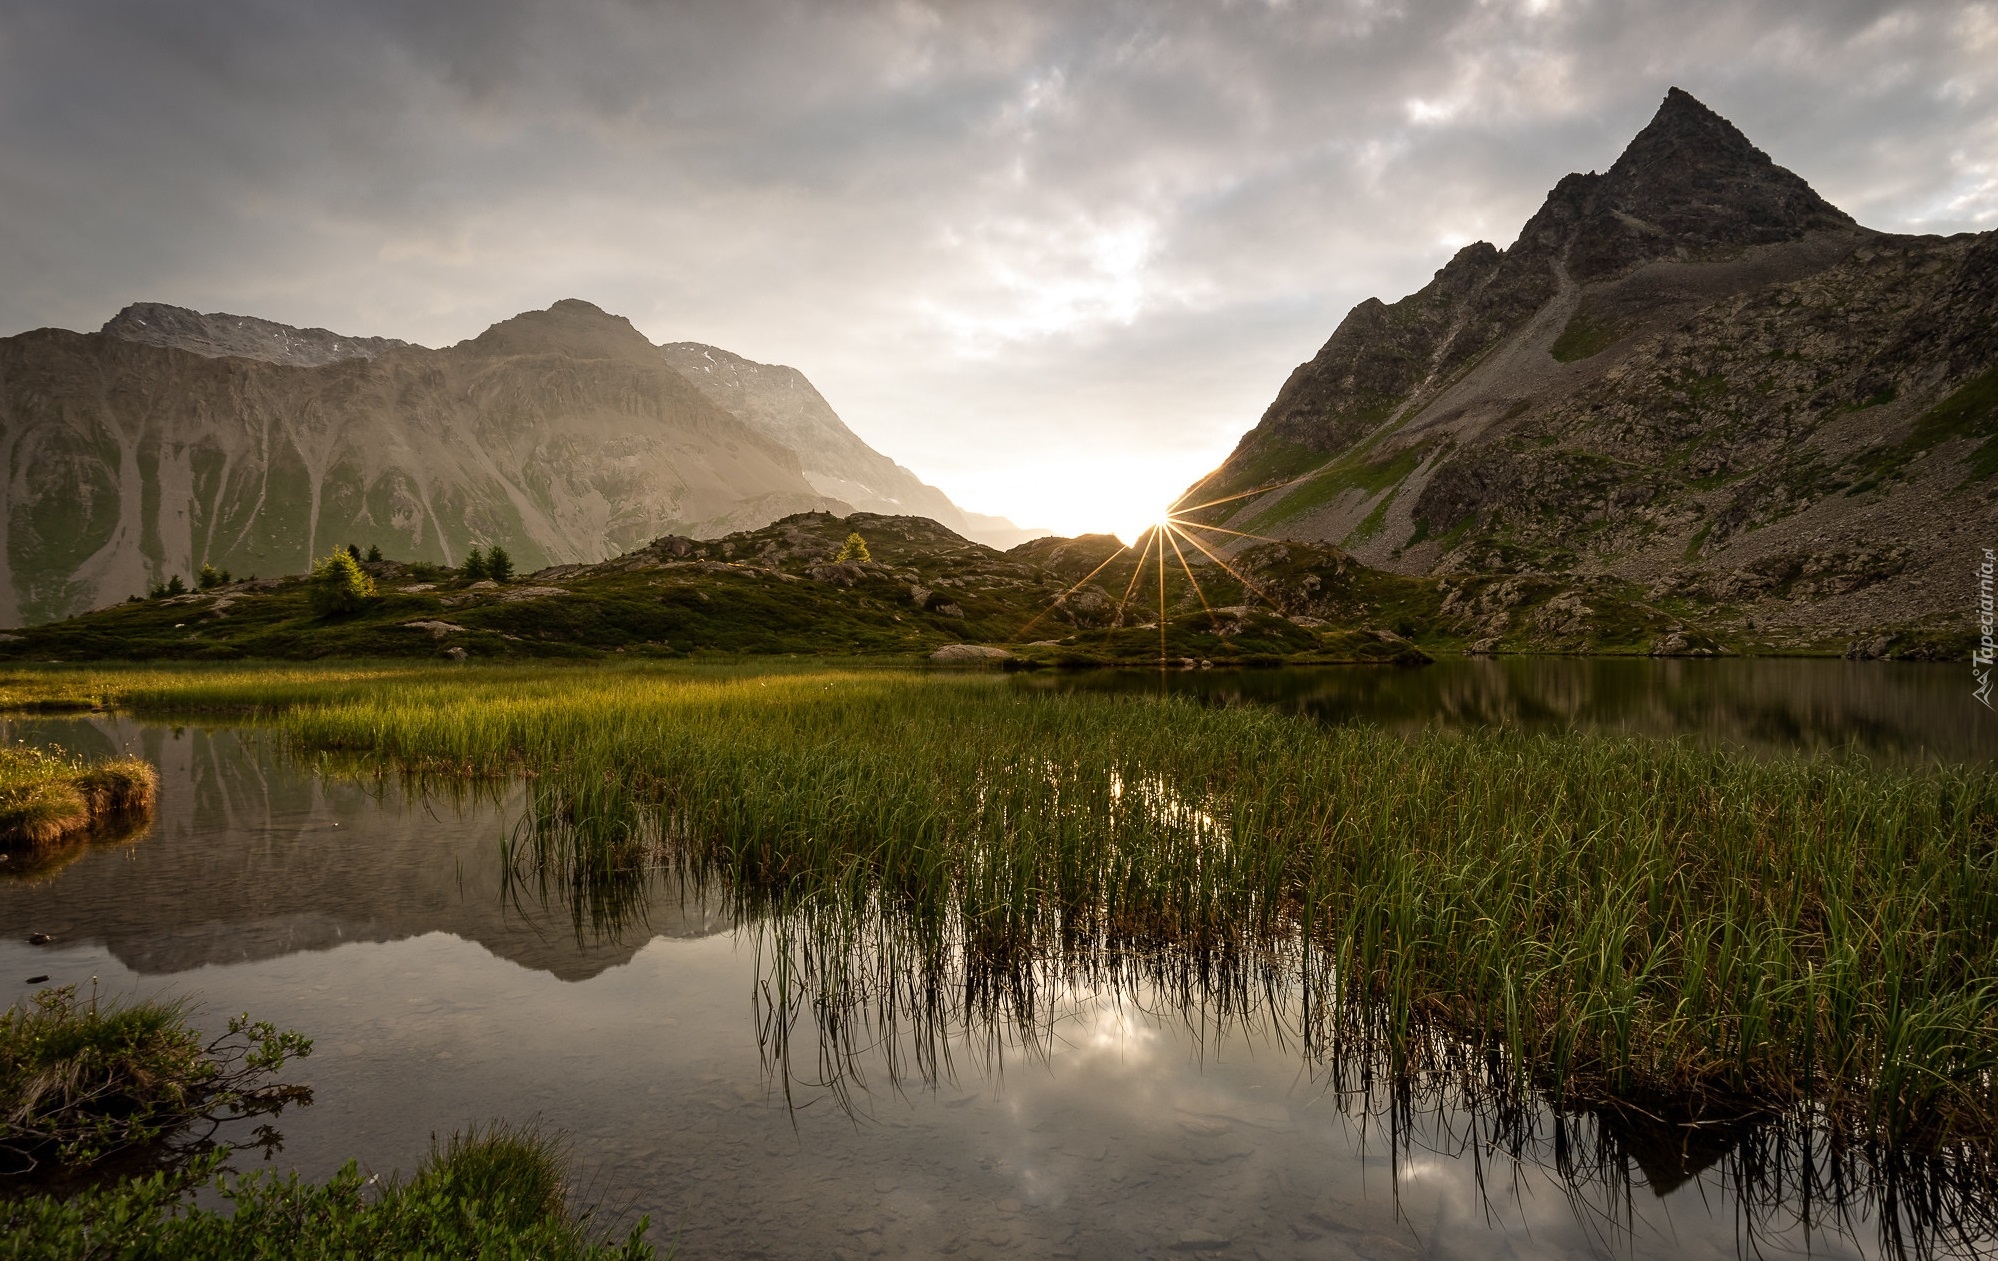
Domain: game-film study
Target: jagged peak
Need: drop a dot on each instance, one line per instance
(1688, 181)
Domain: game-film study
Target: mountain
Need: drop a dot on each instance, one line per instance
(169, 440)
(781, 404)
(1690, 373)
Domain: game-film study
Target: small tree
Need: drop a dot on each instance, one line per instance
(374, 553)
(474, 567)
(353, 551)
(175, 586)
(211, 577)
(340, 585)
(499, 566)
(855, 548)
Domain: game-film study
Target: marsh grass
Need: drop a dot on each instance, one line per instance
(1602, 919)
(47, 796)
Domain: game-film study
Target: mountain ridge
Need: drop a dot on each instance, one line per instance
(170, 439)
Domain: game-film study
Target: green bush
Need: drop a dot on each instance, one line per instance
(211, 578)
(80, 1081)
(340, 585)
(475, 565)
(499, 565)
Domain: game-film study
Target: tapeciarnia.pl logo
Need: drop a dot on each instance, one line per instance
(1981, 656)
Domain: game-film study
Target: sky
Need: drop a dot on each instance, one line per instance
(1054, 257)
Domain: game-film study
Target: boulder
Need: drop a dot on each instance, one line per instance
(960, 653)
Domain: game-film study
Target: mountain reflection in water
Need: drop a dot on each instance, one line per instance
(780, 1081)
(1904, 712)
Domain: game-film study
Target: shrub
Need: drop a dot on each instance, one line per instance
(499, 565)
(81, 1081)
(211, 578)
(340, 585)
(855, 548)
(475, 565)
(374, 553)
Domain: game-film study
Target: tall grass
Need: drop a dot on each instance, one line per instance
(1602, 918)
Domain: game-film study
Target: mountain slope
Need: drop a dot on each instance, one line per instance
(781, 404)
(560, 434)
(1690, 371)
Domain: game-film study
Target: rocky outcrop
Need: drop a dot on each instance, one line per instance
(1690, 371)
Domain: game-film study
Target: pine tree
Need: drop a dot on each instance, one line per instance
(374, 553)
(499, 566)
(339, 585)
(855, 548)
(475, 565)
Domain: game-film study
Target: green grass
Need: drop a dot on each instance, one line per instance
(46, 796)
(498, 1192)
(83, 1081)
(1584, 336)
(1609, 918)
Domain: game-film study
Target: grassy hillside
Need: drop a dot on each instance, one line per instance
(783, 590)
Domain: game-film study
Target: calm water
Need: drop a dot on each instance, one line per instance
(1901, 712)
(1119, 1125)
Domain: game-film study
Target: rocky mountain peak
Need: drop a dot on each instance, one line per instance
(1692, 174)
(1690, 181)
(219, 335)
(572, 327)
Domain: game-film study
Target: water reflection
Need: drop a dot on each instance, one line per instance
(1896, 711)
(771, 1078)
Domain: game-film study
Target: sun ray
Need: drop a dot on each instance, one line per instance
(1243, 534)
(1246, 494)
(1136, 571)
(1160, 531)
(1170, 531)
(1238, 575)
(1021, 633)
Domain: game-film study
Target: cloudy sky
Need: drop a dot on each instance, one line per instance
(1055, 257)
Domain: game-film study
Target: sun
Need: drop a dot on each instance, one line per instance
(1137, 526)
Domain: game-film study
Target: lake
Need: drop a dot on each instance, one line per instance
(446, 984)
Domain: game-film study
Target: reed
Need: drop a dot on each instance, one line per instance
(1601, 918)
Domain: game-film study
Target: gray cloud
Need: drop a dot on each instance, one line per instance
(1030, 249)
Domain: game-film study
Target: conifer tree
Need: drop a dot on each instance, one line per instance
(855, 548)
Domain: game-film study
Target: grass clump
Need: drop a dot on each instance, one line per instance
(83, 1081)
(48, 795)
(495, 1192)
